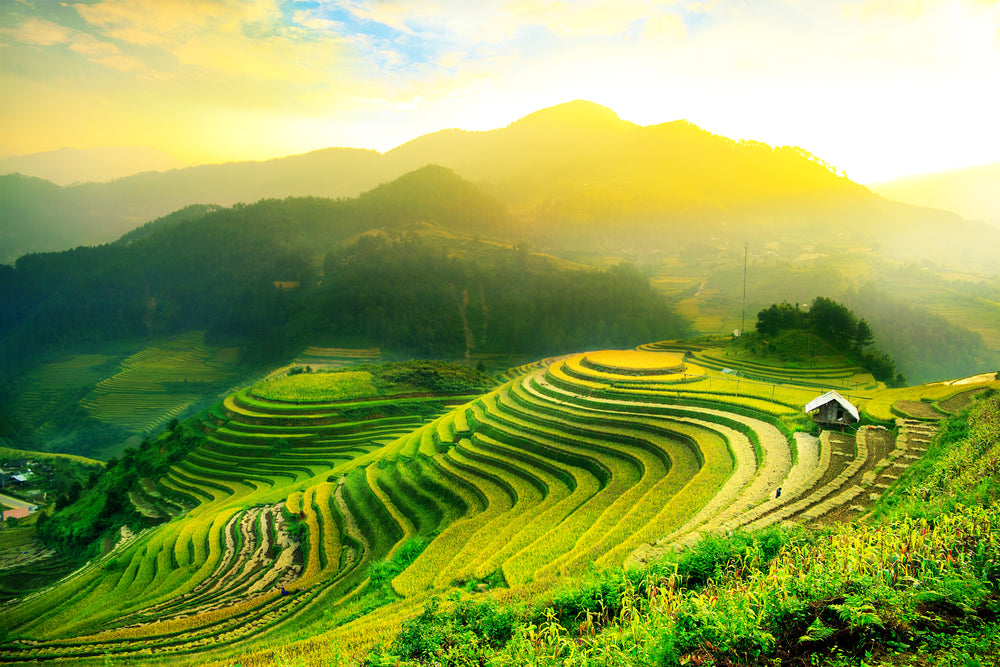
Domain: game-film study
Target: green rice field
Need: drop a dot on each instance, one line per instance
(603, 459)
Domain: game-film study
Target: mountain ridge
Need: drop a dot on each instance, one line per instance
(969, 191)
(66, 166)
(575, 168)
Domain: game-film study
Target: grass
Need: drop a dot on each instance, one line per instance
(879, 405)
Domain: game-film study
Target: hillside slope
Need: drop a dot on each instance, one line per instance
(970, 192)
(366, 512)
(571, 173)
(66, 166)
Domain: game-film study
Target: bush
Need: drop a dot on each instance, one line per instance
(470, 626)
(715, 555)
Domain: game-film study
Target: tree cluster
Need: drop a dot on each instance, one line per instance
(411, 299)
(836, 324)
(85, 514)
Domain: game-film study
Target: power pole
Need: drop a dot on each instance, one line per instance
(743, 316)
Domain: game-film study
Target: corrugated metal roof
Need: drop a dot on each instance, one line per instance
(833, 396)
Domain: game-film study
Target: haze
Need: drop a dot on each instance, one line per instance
(879, 89)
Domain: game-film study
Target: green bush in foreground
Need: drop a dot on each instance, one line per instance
(857, 594)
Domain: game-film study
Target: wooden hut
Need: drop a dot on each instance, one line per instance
(832, 409)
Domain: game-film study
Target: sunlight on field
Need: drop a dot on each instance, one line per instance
(648, 363)
(366, 508)
(317, 387)
(671, 285)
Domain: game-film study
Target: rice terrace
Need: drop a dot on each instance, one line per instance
(301, 528)
(355, 334)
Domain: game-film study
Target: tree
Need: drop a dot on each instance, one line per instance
(832, 321)
(863, 336)
(780, 317)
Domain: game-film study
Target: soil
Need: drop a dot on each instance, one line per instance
(959, 401)
(918, 410)
(880, 443)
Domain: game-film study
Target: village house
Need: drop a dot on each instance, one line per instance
(832, 409)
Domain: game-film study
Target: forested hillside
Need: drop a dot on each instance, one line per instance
(591, 173)
(412, 299)
(275, 277)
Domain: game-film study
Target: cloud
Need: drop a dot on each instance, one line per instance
(581, 19)
(245, 38)
(90, 46)
(152, 21)
(313, 22)
(668, 27)
(39, 32)
(274, 58)
(495, 21)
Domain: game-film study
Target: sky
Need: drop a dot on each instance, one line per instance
(877, 88)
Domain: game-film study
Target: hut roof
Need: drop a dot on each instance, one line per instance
(833, 396)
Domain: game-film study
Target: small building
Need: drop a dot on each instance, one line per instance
(832, 409)
(18, 512)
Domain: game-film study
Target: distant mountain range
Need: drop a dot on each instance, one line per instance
(973, 193)
(574, 175)
(66, 166)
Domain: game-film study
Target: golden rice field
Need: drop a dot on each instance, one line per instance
(606, 458)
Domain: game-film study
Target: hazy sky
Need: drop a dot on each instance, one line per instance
(878, 88)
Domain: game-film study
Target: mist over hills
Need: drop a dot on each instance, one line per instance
(66, 166)
(567, 174)
(216, 269)
(973, 193)
(572, 181)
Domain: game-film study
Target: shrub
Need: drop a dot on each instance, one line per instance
(715, 555)
(470, 625)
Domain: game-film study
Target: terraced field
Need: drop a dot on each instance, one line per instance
(337, 357)
(53, 384)
(295, 519)
(149, 388)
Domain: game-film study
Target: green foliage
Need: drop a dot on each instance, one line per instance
(435, 376)
(209, 266)
(715, 556)
(104, 506)
(382, 572)
(780, 317)
(834, 323)
(926, 346)
(468, 627)
(961, 467)
(305, 387)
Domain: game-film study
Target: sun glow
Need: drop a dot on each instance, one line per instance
(855, 83)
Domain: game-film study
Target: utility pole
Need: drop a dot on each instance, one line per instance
(743, 316)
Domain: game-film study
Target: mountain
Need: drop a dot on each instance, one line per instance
(81, 165)
(201, 267)
(56, 218)
(569, 175)
(398, 268)
(973, 193)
